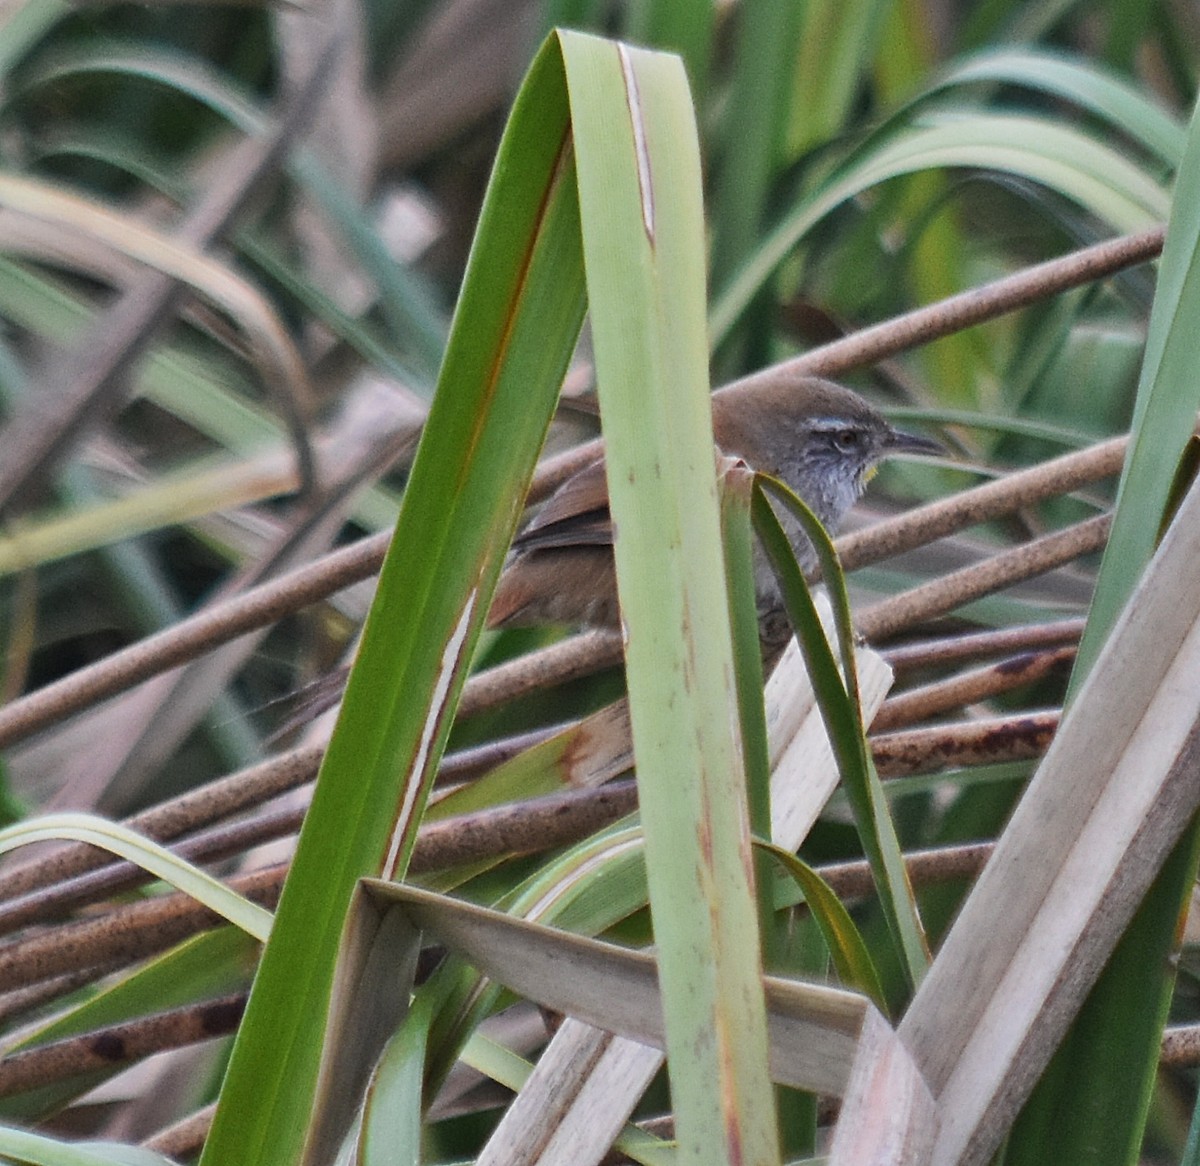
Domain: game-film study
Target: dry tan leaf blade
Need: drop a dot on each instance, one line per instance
(814, 1029)
(1118, 784)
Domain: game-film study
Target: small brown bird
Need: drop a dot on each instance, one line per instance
(823, 440)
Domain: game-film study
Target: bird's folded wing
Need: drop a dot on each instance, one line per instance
(576, 515)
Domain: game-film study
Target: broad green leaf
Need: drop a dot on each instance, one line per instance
(515, 327)
(639, 164)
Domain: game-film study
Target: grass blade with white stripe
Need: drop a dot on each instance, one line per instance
(643, 231)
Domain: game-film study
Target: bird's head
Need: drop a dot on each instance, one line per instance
(825, 441)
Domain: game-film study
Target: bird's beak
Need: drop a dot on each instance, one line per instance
(900, 442)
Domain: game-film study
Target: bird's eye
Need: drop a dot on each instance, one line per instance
(848, 440)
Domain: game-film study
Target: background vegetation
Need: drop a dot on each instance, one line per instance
(230, 258)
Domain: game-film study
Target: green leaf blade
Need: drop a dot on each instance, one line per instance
(515, 327)
(644, 244)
